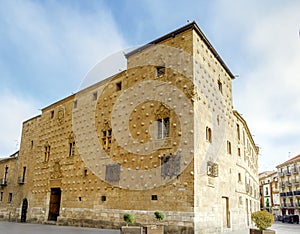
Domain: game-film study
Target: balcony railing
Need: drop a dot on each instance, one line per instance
(3, 182)
(21, 180)
(281, 174)
(282, 194)
(288, 173)
(289, 194)
(297, 193)
(295, 171)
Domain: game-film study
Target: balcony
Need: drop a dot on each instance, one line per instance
(295, 171)
(3, 182)
(296, 182)
(281, 174)
(282, 194)
(289, 194)
(297, 193)
(288, 173)
(289, 184)
(21, 180)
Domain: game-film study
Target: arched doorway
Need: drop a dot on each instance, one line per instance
(24, 210)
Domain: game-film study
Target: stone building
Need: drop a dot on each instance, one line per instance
(8, 184)
(289, 186)
(269, 192)
(160, 135)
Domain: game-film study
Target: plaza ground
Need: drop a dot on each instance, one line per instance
(26, 228)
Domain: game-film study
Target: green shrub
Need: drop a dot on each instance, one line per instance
(128, 218)
(262, 219)
(159, 215)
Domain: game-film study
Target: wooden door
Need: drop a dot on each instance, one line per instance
(24, 210)
(54, 205)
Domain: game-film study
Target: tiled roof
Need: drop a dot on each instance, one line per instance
(292, 160)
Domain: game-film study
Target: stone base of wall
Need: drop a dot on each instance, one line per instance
(178, 230)
(169, 229)
(102, 224)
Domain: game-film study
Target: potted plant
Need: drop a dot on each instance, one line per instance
(262, 220)
(129, 219)
(156, 228)
(159, 215)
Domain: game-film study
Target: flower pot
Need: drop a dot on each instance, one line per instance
(257, 231)
(131, 230)
(154, 229)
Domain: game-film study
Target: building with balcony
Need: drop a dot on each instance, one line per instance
(160, 135)
(289, 187)
(269, 192)
(8, 184)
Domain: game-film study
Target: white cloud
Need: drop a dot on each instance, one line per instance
(268, 91)
(14, 110)
(47, 48)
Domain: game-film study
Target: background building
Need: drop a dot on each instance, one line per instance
(8, 184)
(289, 186)
(161, 135)
(269, 192)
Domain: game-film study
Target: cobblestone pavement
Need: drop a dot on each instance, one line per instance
(26, 228)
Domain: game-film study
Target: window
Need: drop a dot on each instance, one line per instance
(75, 104)
(288, 170)
(23, 175)
(160, 71)
(5, 175)
(228, 147)
(239, 152)
(47, 153)
(163, 127)
(1, 196)
(208, 134)
(281, 172)
(95, 96)
(238, 131)
(84, 172)
(118, 86)
(295, 168)
(103, 198)
(239, 177)
(291, 202)
(220, 86)
(52, 114)
(154, 197)
(106, 139)
(31, 145)
(10, 196)
(284, 202)
(72, 148)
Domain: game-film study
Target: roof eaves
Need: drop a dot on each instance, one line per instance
(193, 25)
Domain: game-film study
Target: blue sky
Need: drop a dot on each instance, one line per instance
(47, 47)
